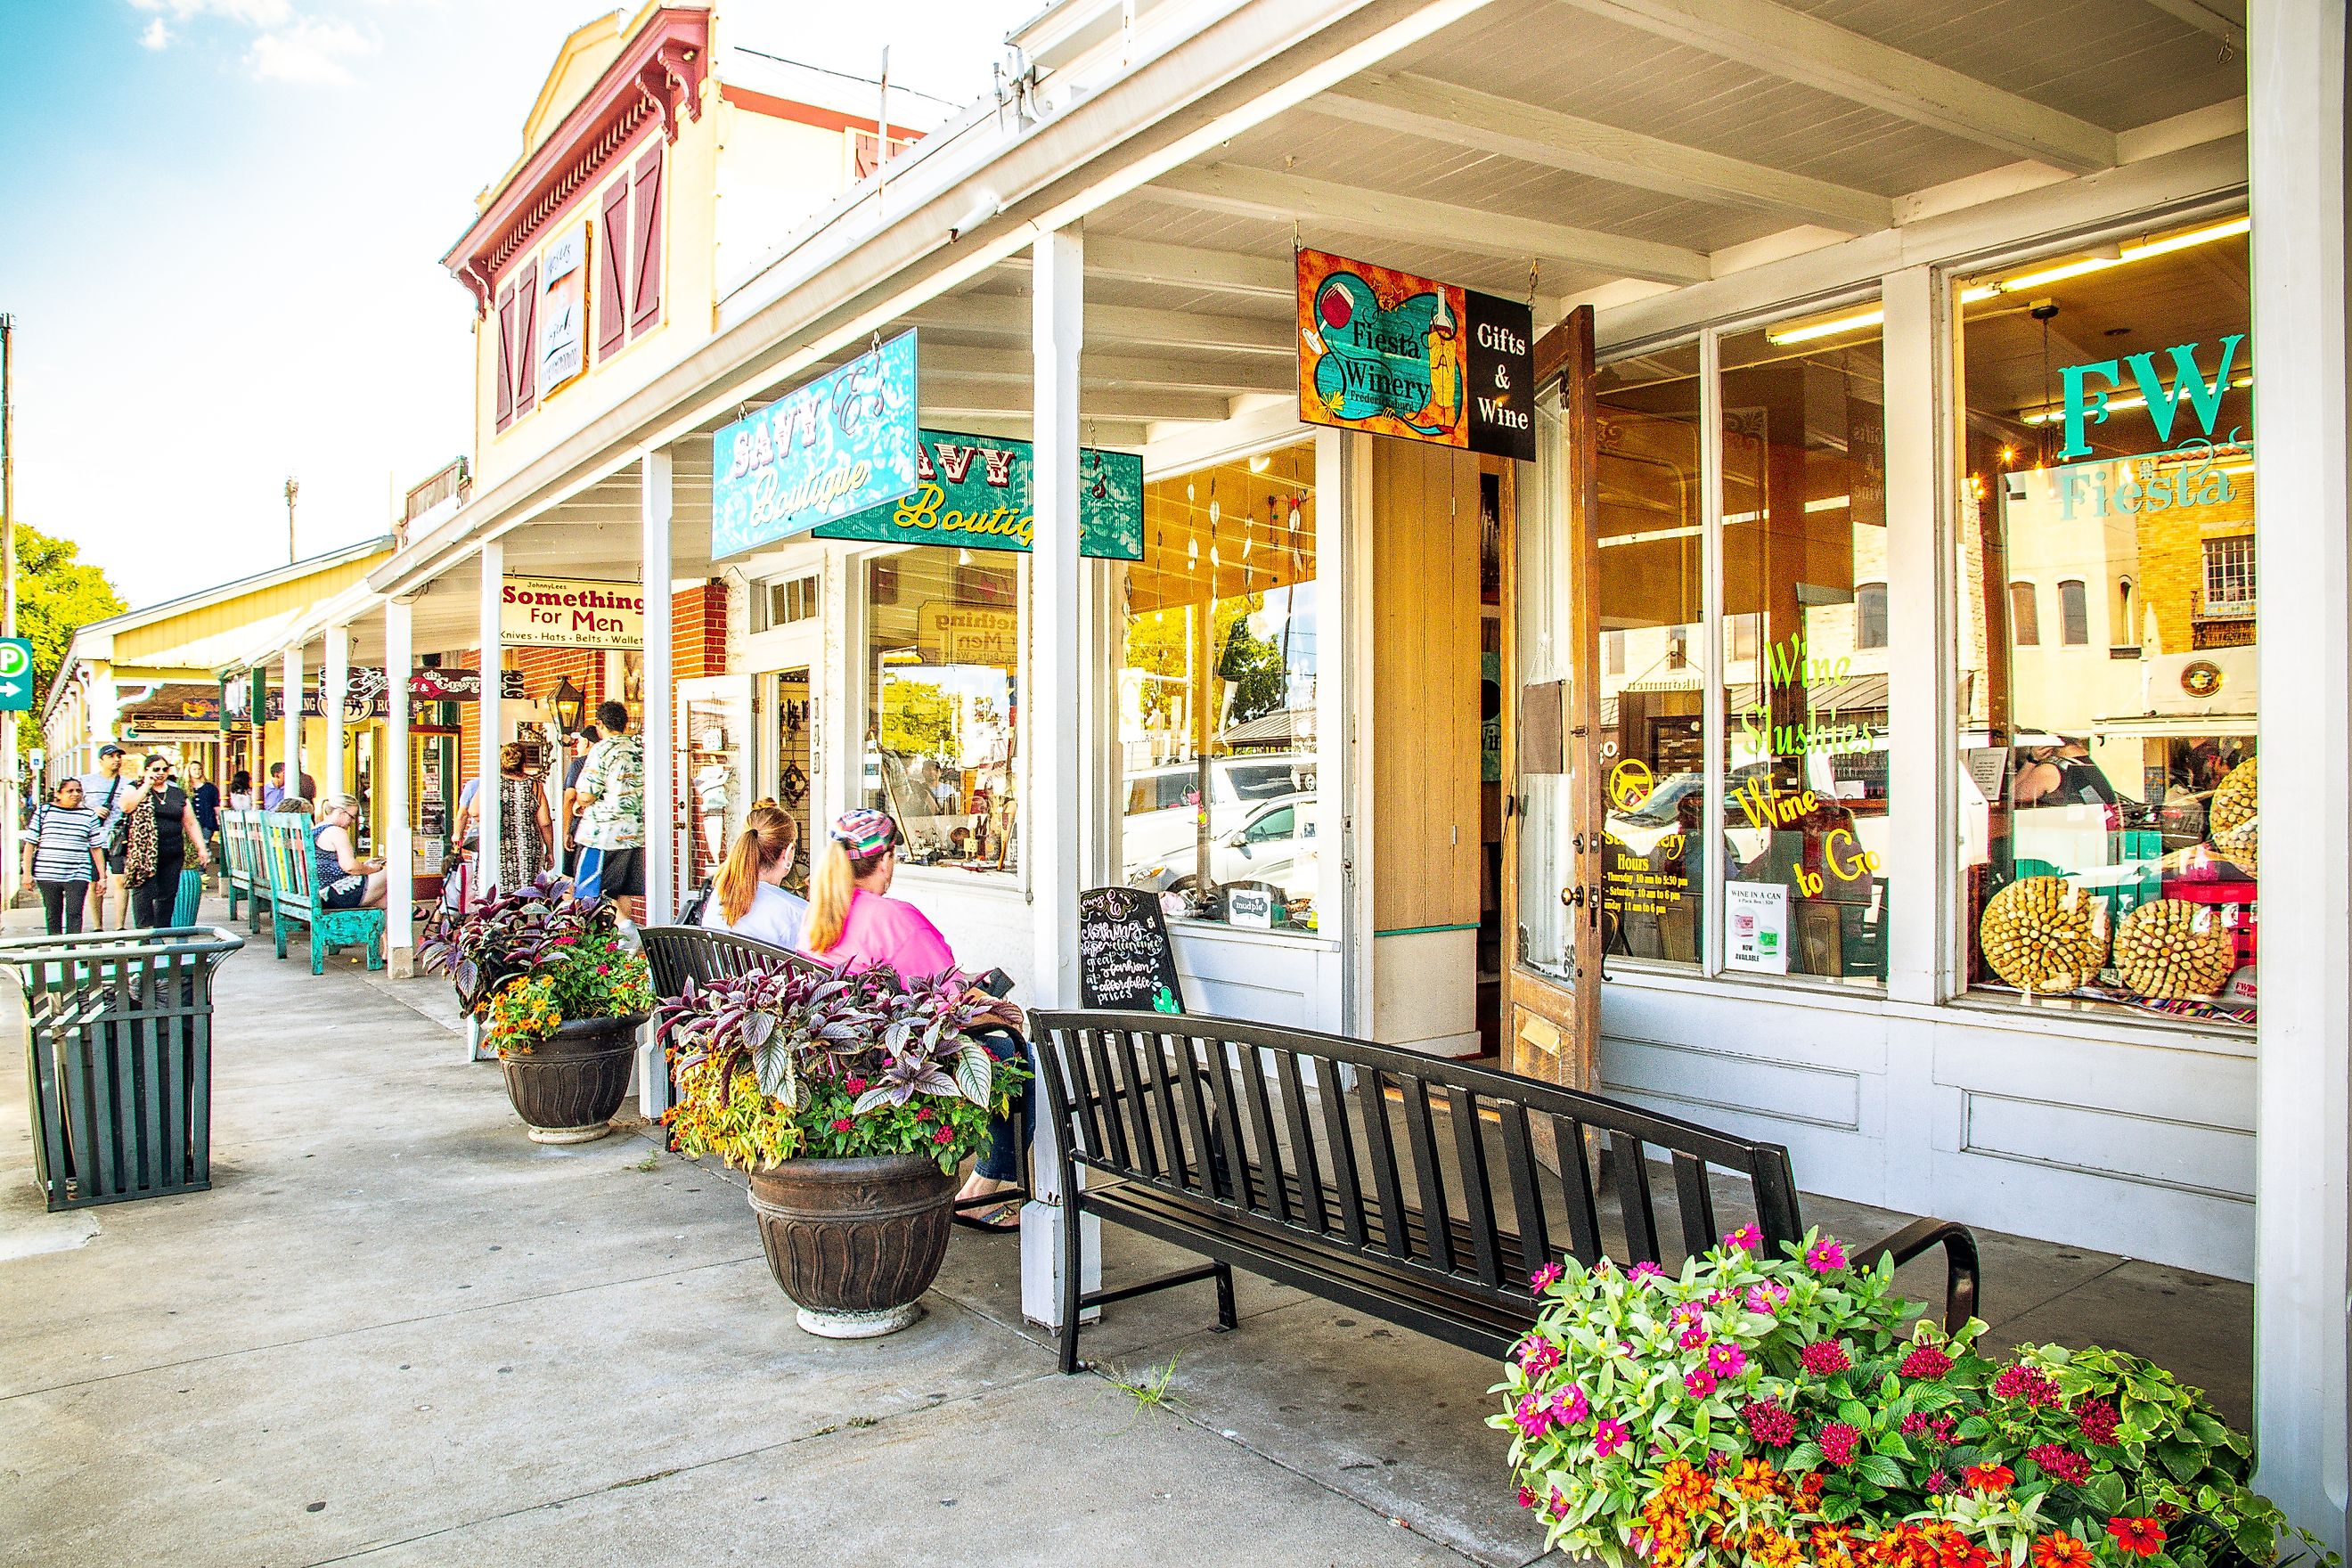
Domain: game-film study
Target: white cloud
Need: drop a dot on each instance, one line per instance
(307, 49)
(251, 13)
(156, 35)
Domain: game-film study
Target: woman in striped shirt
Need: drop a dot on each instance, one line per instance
(64, 849)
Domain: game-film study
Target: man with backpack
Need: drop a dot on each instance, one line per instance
(105, 792)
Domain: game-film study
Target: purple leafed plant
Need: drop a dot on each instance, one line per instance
(508, 933)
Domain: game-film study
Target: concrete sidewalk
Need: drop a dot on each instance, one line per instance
(397, 1330)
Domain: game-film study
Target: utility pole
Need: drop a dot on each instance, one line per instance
(292, 490)
(9, 813)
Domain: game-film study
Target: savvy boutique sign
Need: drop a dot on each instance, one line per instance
(1394, 355)
(981, 492)
(844, 444)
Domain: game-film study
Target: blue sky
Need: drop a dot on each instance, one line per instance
(220, 231)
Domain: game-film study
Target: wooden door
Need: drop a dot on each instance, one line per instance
(1552, 746)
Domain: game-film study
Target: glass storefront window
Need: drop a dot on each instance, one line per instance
(1216, 696)
(2106, 595)
(1651, 610)
(942, 668)
(1805, 703)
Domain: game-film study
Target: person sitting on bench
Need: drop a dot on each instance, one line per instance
(344, 880)
(854, 924)
(749, 898)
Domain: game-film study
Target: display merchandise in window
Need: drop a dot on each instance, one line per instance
(1216, 696)
(1807, 708)
(942, 668)
(2108, 812)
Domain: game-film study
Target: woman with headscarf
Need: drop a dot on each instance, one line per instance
(854, 924)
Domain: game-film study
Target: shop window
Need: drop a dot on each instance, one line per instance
(1870, 615)
(942, 663)
(2107, 808)
(1216, 696)
(2024, 615)
(2074, 613)
(1654, 872)
(1806, 720)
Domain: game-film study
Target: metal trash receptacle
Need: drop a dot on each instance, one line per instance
(119, 1059)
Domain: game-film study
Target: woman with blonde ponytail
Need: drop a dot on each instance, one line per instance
(747, 897)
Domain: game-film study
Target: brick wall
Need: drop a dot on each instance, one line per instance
(698, 643)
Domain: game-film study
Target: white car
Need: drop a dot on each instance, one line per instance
(1160, 821)
(1277, 843)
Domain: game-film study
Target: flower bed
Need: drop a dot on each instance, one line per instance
(1758, 1413)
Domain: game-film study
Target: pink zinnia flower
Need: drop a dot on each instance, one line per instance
(1766, 1298)
(1747, 1239)
(1544, 1278)
(1726, 1360)
(1527, 1498)
(1556, 1505)
(1839, 1441)
(1687, 1312)
(1537, 1356)
(1700, 1382)
(1569, 1407)
(1641, 1271)
(1608, 1436)
(1824, 1357)
(1691, 1338)
(1534, 1414)
(1825, 1256)
(1925, 1361)
(2060, 1463)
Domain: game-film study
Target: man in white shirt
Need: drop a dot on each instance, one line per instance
(104, 792)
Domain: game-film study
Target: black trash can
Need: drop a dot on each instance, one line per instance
(119, 1056)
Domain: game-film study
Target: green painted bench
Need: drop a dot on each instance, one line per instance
(243, 873)
(294, 898)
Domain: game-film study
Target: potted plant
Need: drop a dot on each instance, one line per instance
(559, 995)
(1752, 1412)
(850, 1103)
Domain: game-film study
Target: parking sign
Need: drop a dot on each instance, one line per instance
(15, 675)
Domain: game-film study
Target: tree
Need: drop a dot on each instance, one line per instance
(1156, 644)
(57, 596)
(918, 719)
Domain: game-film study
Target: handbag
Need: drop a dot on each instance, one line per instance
(691, 913)
(118, 824)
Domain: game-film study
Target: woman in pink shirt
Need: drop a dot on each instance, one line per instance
(854, 924)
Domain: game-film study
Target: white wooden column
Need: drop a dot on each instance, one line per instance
(661, 757)
(399, 845)
(290, 738)
(2303, 1110)
(334, 677)
(493, 715)
(1053, 815)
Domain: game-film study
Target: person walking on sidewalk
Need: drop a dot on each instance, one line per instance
(612, 788)
(103, 792)
(65, 852)
(162, 829)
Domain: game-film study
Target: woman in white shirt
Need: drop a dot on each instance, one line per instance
(748, 897)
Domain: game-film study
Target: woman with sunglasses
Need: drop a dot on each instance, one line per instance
(163, 830)
(65, 851)
(344, 880)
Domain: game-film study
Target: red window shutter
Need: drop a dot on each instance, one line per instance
(647, 232)
(505, 396)
(611, 279)
(526, 349)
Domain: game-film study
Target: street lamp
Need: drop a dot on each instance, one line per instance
(569, 702)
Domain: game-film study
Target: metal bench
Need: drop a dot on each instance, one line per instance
(1282, 1153)
(243, 873)
(294, 899)
(678, 954)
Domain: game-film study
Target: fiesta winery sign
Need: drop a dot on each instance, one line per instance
(557, 612)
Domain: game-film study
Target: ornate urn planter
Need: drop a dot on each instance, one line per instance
(854, 1242)
(567, 1087)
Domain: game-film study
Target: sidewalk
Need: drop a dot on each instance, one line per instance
(397, 1332)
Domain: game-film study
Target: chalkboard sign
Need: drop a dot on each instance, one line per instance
(1125, 960)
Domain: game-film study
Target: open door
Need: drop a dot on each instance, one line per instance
(1552, 828)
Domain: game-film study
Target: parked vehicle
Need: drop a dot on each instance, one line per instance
(1162, 816)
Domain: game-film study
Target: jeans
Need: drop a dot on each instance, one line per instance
(1003, 1162)
(61, 906)
(151, 900)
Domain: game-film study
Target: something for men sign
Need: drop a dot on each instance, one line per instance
(560, 612)
(1394, 355)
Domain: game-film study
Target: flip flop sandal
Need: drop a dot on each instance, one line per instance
(1003, 1218)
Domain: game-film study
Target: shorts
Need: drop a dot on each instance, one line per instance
(343, 893)
(610, 873)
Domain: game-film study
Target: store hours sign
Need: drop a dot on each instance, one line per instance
(844, 444)
(1395, 354)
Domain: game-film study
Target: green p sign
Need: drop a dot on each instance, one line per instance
(15, 675)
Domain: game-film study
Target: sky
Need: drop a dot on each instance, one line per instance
(221, 225)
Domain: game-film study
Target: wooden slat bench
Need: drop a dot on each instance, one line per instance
(1279, 1152)
(679, 953)
(243, 873)
(294, 898)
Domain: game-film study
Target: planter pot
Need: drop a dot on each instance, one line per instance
(854, 1242)
(568, 1087)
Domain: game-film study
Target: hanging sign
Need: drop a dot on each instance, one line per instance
(563, 309)
(440, 685)
(1124, 959)
(558, 612)
(845, 443)
(981, 492)
(1394, 355)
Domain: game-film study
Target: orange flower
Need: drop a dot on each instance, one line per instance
(2140, 1537)
(1756, 1481)
(2061, 1550)
(1990, 1477)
